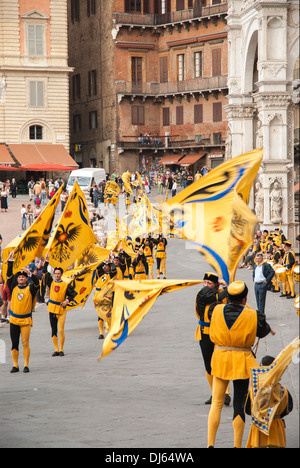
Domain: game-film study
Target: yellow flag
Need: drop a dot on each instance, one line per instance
(126, 177)
(111, 192)
(83, 280)
(73, 234)
(32, 243)
(265, 391)
(213, 213)
(92, 254)
(133, 299)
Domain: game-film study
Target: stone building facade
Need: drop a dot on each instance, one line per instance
(148, 67)
(263, 103)
(34, 73)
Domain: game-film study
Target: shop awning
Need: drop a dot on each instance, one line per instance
(170, 159)
(191, 159)
(35, 154)
(5, 157)
(8, 168)
(45, 167)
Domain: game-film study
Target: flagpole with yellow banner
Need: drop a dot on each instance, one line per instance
(132, 301)
(32, 243)
(73, 233)
(216, 218)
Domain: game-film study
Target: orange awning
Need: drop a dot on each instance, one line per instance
(170, 159)
(27, 154)
(5, 157)
(191, 159)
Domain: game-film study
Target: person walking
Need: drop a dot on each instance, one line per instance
(233, 330)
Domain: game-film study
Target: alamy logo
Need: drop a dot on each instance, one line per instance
(2, 352)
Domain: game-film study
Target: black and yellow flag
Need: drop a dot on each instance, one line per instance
(132, 301)
(73, 234)
(213, 212)
(32, 243)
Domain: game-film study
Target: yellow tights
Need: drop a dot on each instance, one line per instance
(219, 389)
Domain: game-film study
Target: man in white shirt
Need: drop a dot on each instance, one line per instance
(262, 277)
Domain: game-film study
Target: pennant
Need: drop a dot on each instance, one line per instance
(132, 301)
(214, 215)
(33, 242)
(73, 234)
(83, 280)
(265, 390)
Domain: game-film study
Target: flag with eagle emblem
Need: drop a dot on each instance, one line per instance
(73, 233)
(31, 244)
(83, 280)
(132, 301)
(213, 212)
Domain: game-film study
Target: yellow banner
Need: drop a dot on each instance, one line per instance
(73, 234)
(214, 215)
(265, 389)
(132, 301)
(32, 243)
(83, 280)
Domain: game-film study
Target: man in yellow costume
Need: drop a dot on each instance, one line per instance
(102, 302)
(148, 252)
(161, 255)
(23, 297)
(208, 296)
(289, 262)
(140, 266)
(233, 330)
(61, 293)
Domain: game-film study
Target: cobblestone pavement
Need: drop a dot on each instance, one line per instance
(149, 393)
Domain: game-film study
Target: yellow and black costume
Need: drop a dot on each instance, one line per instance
(233, 330)
(289, 262)
(161, 255)
(22, 303)
(59, 292)
(206, 298)
(140, 266)
(103, 296)
(148, 252)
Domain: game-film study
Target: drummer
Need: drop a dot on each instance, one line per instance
(289, 262)
(278, 260)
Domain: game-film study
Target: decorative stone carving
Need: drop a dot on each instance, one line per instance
(259, 202)
(276, 200)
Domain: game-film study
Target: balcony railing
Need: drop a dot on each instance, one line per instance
(196, 85)
(164, 142)
(172, 17)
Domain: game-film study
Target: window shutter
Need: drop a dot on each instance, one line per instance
(217, 111)
(179, 115)
(146, 7)
(127, 6)
(164, 69)
(179, 5)
(166, 116)
(216, 62)
(198, 113)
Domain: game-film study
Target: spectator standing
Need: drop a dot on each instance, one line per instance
(23, 217)
(14, 188)
(4, 196)
(29, 214)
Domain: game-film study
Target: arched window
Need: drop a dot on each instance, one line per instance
(35, 132)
